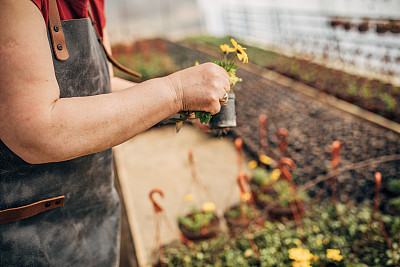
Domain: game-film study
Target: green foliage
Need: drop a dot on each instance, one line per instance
(395, 202)
(261, 176)
(389, 101)
(156, 65)
(247, 211)
(196, 220)
(323, 230)
(352, 90)
(394, 186)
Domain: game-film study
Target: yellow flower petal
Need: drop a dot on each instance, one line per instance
(252, 164)
(226, 48)
(275, 174)
(265, 159)
(300, 254)
(245, 197)
(188, 198)
(197, 63)
(235, 44)
(334, 254)
(208, 207)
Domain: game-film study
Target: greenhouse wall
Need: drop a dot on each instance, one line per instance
(306, 27)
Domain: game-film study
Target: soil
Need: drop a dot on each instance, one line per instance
(312, 128)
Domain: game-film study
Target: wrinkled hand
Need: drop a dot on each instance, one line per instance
(200, 88)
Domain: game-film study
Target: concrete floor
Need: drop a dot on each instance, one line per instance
(158, 158)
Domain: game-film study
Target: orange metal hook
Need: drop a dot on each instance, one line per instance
(242, 180)
(157, 207)
(336, 146)
(263, 133)
(286, 165)
(239, 148)
(282, 135)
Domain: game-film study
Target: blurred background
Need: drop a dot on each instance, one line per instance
(360, 33)
(324, 71)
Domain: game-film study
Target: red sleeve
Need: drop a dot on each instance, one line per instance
(98, 13)
(75, 9)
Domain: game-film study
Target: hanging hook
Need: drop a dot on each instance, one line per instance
(336, 147)
(157, 207)
(286, 165)
(282, 135)
(242, 181)
(239, 148)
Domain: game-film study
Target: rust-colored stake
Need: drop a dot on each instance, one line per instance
(378, 180)
(157, 209)
(239, 148)
(286, 165)
(336, 146)
(282, 135)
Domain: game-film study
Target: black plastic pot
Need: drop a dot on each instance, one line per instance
(226, 118)
(208, 231)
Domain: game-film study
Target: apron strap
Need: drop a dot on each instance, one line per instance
(109, 56)
(56, 32)
(15, 214)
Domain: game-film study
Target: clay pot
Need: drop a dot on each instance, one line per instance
(208, 231)
(226, 118)
(238, 222)
(256, 190)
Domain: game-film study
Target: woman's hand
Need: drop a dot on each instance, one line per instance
(200, 88)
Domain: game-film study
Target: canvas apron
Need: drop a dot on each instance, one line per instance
(84, 229)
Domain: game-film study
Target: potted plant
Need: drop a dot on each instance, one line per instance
(269, 187)
(226, 118)
(240, 215)
(199, 224)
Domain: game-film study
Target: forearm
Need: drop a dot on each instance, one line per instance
(84, 125)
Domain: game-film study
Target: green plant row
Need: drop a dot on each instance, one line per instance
(279, 244)
(371, 94)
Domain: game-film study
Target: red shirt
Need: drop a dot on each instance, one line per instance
(75, 9)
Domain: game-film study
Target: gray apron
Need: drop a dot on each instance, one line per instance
(85, 231)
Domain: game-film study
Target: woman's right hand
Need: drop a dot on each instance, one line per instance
(200, 88)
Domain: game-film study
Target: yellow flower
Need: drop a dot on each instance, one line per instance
(334, 254)
(300, 254)
(315, 259)
(319, 242)
(226, 48)
(240, 51)
(265, 159)
(252, 164)
(208, 207)
(275, 174)
(245, 196)
(197, 63)
(188, 198)
(242, 56)
(301, 264)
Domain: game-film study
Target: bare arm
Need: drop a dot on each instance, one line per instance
(39, 126)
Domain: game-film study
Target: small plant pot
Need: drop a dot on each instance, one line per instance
(281, 213)
(226, 118)
(257, 190)
(237, 223)
(208, 231)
